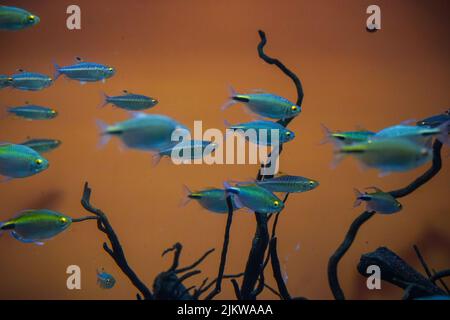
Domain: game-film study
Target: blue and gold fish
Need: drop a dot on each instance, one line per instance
(33, 112)
(30, 81)
(35, 226)
(85, 71)
(5, 81)
(142, 131)
(264, 104)
(263, 132)
(345, 137)
(436, 120)
(378, 201)
(18, 161)
(130, 101)
(12, 18)
(419, 134)
(105, 280)
(255, 198)
(186, 150)
(287, 183)
(212, 199)
(42, 145)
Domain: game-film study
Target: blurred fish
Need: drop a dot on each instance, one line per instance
(437, 297)
(42, 145)
(255, 198)
(262, 132)
(105, 280)
(345, 137)
(186, 150)
(85, 71)
(211, 199)
(287, 183)
(387, 155)
(378, 201)
(12, 18)
(18, 161)
(419, 134)
(436, 120)
(33, 112)
(30, 81)
(264, 104)
(34, 226)
(5, 81)
(142, 131)
(130, 101)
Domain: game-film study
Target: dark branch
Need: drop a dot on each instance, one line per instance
(422, 261)
(196, 263)
(439, 275)
(177, 247)
(84, 218)
(116, 252)
(277, 270)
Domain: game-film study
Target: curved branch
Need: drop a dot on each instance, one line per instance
(440, 274)
(116, 252)
(277, 270)
(365, 216)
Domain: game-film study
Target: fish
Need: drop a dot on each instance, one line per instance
(345, 137)
(30, 81)
(85, 71)
(262, 131)
(36, 226)
(265, 104)
(419, 134)
(379, 201)
(255, 198)
(105, 280)
(186, 151)
(130, 101)
(387, 155)
(212, 199)
(436, 120)
(150, 132)
(12, 18)
(287, 183)
(42, 145)
(5, 81)
(18, 161)
(33, 112)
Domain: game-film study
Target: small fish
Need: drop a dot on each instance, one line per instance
(12, 18)
(419, 134)
(255, 198)
(33, 112)
(378, 201)
(186, 151)
(85, 71)
(105, 280)
(130, 101)
(30, 81)
(5, 81)
(436, 297)
(142, 131)
(18, 161)
(436, 120)
(264, 104)
(35, 226)
(263, 132)
(42, 145)
(387, 155)
(345, 137)
(212, 199)
(288, 183)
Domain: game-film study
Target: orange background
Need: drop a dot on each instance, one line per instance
(185, 53)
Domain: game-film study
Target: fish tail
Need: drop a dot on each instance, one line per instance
(358, 195)
(156, 158)
(104, 136)
(230, 102)
(186, 193)
(444, 133)
(57, 72)
(337, 159)
(104, 102)
(327, 135)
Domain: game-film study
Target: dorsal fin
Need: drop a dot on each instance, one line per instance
(78, 59)
(20, 70)
(125, 91)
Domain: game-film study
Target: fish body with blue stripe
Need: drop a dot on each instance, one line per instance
(12, 18)
(85, 71)
(33, 112)
(419, 134)
(105, 280)
(186, 150)
(42, 145)
(346, 137)
(36, 226)
(30, 81)
(263, 132)
(5, 81)
(18, 161)
(212, 199)
(288, 184)
(379, 201)
(130, 101)
(264, 104)
(436, 120)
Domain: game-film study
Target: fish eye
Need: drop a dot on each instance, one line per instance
(294, 108)
(63, 220)
(53, 112)
(31, 18)
(110, 69)
(38, 161)
(288, 133)
(276, 203)
(311, 183)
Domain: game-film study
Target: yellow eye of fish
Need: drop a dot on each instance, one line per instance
(10, 79)
(294, 108)
(38, 161)
(288, 133)
(311, 183)
(276, 203)
(110, 69)
(31, 18)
